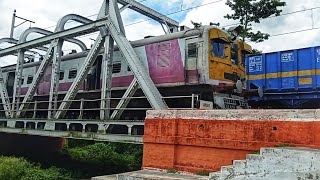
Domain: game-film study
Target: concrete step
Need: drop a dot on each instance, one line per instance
(274, 164)
(239, 166)
(109, 177)
(215, 176)
(153, 175)
(286, 159)
(289, 151)
(227, 172)
(281, 176)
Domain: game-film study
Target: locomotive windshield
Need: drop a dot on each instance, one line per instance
(218, 49)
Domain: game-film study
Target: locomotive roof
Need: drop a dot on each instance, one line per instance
(137, 43)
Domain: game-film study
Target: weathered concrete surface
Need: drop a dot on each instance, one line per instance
(274, 164)
(271, 164)
(49, 129)
(135, 139)
(239, 114)
(150, 175)
(206, 140)
(108, 177)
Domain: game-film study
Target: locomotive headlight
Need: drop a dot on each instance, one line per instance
(239, 86)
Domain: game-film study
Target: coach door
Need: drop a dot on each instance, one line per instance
(191, 60)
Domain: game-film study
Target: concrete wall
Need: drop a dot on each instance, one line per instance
(206, 140)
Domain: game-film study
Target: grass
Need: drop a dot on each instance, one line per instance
(173, 171)
(202, 173)
(283, 145)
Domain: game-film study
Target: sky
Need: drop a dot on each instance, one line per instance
(46, 13)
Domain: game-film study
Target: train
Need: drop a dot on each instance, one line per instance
(289, 79)
(206, 61)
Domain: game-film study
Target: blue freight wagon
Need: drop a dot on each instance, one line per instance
(289, 79)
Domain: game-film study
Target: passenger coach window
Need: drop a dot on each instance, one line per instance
(116, 67)
(30, 79)
(72, 73)
(61, 75)
(218, 49)
(192, 50)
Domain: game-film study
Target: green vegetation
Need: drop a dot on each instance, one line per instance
(248, 12)
(203, 173)
(283, 145)
(173, 171)
(256, 152)
(12, 168)
(100, 153)
(79, 159)
(93, 159)
(256, 51)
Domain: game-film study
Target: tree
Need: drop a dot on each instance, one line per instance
(256, 51)
(252, 11)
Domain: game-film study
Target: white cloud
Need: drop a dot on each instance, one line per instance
(46, 13)
(293, 22)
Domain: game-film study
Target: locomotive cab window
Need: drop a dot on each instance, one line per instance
(218, 49)
(116, 67)
(72, 73)
(234, 53)
(30, 79)
(192, 50)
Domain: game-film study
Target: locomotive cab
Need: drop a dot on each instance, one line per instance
(226, 59)
(226, 62)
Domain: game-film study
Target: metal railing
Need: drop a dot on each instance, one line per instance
(194, 98)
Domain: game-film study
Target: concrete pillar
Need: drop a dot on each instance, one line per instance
(83, 127)
(68, 126)
(129, 129)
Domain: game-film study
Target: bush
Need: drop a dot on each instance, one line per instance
(20, 169)
(100, 153)
(52, 173)
(13, 168)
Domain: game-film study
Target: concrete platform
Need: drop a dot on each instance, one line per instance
(151, 175)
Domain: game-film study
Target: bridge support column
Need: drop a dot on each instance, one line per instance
(83, 127)
(129, 129)
(68, 126)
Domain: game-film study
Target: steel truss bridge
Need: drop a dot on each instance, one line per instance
(111, 30)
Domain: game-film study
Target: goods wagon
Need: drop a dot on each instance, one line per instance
(289, 79)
